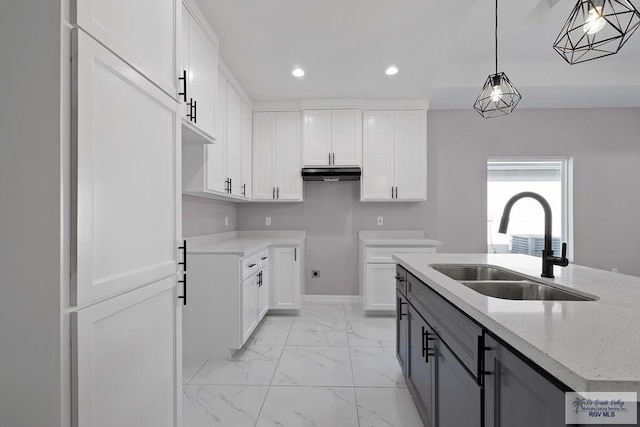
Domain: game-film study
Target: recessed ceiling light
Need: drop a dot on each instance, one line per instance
(392, 70)
(298, 72)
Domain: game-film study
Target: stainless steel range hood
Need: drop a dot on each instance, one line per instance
(332, 174)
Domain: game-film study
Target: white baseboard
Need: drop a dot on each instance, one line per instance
(331, 299)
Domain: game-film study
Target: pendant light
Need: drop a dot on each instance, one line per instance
(596, 28)
(498, 96)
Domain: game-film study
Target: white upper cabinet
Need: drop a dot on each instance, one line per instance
(410, 155)
(332, 137)
(234, 141)
(198, 85)
(247, 150)
(276, 153)
(394, 155)
(146, 38)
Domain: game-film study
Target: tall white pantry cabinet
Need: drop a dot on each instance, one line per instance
(90, 186)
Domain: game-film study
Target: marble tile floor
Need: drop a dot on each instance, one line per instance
(328, 366)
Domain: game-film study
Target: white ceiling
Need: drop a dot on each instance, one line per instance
(444, 50)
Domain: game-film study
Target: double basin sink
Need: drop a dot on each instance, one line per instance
(499, 283)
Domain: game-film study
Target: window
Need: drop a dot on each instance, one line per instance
(549, 177)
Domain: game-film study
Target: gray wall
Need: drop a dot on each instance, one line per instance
(206, 216)
(605, 145)
(332, 215)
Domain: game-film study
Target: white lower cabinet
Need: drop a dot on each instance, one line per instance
(228, 297)
(128, 359)
(377, 266)
(249, 306)
(287, 277)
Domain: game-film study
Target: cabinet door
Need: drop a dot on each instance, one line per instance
(217, 152)
(515, 394)
(203, 65)
(410, 155)
(286, 278)
(377, 155)
(264, 138)
(263, 293)
(317, 137)
(287, 170)
(422, 365)
(142, 32)
(456, 389)
(249, 306)
(346, 137)
(126, 212)
(234, 140)
(247, 151)
(402, 332)
(128, 368)
(380, 287)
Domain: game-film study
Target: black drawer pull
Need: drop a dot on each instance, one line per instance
(252, 265)
(399, 278)
(184, 289)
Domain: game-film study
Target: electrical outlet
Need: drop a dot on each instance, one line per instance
(380, 220)
(315, 274)
(267, 220)
(226, 221)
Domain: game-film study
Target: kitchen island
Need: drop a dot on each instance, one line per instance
(585, 346)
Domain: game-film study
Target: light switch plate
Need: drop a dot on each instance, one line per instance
(267, 220)
(380, 220)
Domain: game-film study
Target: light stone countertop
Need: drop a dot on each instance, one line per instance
(396, 238)
(587, 345)
(242, 243)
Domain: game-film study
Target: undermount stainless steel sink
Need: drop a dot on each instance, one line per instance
(498, 283)
(475, 272)
(523, 290)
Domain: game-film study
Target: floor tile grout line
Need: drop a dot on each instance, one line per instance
(353, 379)
(194, 375)
(266, 395)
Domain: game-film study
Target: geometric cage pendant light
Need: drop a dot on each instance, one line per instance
(596, 28)
(498, 96)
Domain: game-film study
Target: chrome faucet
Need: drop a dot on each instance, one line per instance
(548, 260)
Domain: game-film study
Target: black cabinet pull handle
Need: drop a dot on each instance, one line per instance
(274, 192)
(183, 248)
(244, 189)
(399, 278)
(329, 158)
(264, 257)
(190, 111)
(295, 254)
(184, 79)
(426, 351)
(184, 289)
(277, 192)
(333, 160)
(400, 309)
(252, 265)
(195, 112)
(481, 361)
(230, 185)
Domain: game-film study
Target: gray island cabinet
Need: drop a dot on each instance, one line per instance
(452, 365)
(459, 369)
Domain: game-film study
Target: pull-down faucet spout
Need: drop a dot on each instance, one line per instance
(548, 260)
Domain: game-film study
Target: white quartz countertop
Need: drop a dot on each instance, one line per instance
(587, 345)
(396, 238)
(243, 243)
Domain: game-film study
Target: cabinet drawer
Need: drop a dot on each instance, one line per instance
(401, 279)
(249, 266)
(460, 333)
(383, 255)
(263, 258)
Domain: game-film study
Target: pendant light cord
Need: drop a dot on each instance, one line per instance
(496, 36)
